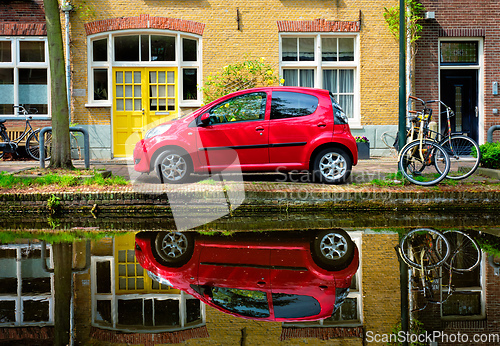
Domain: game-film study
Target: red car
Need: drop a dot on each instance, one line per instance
(280, 276)
(265, 129)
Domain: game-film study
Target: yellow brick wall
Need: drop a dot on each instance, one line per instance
(224, 44)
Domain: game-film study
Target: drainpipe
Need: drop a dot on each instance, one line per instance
(67, 8)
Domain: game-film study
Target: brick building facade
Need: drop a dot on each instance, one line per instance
(345, 47)
(457, 61)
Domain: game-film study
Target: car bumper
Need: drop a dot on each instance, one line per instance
(141, 158)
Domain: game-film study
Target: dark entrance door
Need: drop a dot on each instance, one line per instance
(459, 90)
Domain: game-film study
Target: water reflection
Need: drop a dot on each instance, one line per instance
(280, 276)
(111, 298)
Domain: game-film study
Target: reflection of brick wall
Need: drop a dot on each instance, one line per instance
(177, 337)
(381, 293)
(28, 335)
(321, 333)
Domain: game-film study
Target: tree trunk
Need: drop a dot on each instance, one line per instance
(61, 147)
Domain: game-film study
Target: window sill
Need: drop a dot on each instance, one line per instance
(98, 105)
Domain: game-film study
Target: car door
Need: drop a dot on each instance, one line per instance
(236, 133)
(297, 120)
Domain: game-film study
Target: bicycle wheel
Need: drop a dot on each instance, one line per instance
(424, 248)
(464, 156)
(33, 144)
(424, 162)
(465, 253)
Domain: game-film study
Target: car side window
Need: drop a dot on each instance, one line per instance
(243, 302)
(286, 104)
(246, 107)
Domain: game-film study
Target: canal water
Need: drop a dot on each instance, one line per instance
(281, 279)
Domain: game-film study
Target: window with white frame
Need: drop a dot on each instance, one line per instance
(26, 289)
(324, 61)
(144, 50)
(24, 76)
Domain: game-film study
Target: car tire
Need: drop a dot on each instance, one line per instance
(332, 249)
(173, 248)
(332, 166)
(173, 167)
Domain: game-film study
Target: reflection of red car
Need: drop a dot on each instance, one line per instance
(280, 276)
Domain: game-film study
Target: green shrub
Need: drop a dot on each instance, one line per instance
(490, 155)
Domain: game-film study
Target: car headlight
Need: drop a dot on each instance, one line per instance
(159, 279)
(155, 131)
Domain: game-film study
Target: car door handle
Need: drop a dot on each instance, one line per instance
(321, 125)
(261, 284)
(259, 128)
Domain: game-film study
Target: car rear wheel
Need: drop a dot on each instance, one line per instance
(174, 248)
(172, 167)
(332, 166)
(333, 249)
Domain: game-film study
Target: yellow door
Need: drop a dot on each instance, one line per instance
(144, 97)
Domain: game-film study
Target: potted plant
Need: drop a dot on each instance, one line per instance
(363, 144)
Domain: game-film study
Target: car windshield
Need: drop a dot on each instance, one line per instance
(243, 302)
(294, 306)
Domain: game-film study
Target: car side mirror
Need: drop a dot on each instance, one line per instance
(205, 119)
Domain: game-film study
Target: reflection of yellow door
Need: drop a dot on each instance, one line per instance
(144, 97)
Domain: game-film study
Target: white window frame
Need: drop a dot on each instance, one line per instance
(480, 77)
(353, 294)
(318, 65)
(20, 298)
(115, 296)
(16, 64)
(110, 63)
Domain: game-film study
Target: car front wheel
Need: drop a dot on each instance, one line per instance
(333, 249)
(174, 248)
(332, 166)
(172, 167)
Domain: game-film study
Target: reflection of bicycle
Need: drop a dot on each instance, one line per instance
(463, 151)
(422, 161)
(8, 145)
(434, 258)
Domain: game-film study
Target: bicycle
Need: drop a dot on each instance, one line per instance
(8, 145)
(422, 161)
(427, 251)
(463, 151)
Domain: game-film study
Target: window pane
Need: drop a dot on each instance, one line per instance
(100, 50)
(189, 50)
(346, 49)
(6, 91)
(144, 47)
(347, 104)
(189, 83)
(31, 51)
(242, 302)
(103, 270)
(167, 312)
(33, 89)
(463, 304)
(240, 108)
(127, 48)
(294, 306)
(456, 53)
(329, 49)
(103, 311)
(35, 311)
(162, 48)
(101, 84)
(290, 104)
(193, 310)
(7, 311)
(330, 80)
(289, 49)
(346, 79)
(306, 49)
(291, 77)
(307, 78)
(5, 51)
(130, 312)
